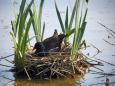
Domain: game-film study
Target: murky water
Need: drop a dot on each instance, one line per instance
(99, 11)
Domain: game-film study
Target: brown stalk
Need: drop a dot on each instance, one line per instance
(29, 78)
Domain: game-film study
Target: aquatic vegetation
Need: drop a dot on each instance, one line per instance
(110, 32)
(25, 61)
(80, 25)
(36, 21)
(20, 30)
(67, 29)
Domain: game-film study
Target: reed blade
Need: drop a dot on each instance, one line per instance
(80, 25)
(66, 20)
(20, 29)
(59, 18)
(73, 15)
(36, 21)
(43, 31)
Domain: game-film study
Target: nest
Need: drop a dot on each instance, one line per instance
(55, 65)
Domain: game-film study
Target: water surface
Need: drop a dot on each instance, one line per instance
(99, 11)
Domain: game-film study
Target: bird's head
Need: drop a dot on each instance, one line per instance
(61, 36)
(37, 46)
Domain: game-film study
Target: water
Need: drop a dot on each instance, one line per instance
(99, 11)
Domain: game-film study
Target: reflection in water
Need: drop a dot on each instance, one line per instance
(61, 82)
(99, 10)
(58, 82)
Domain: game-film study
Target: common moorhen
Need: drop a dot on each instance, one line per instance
(49, 44)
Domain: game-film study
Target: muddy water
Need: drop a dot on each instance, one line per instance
(99, 11)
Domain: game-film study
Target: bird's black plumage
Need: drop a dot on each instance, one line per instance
(51, 43)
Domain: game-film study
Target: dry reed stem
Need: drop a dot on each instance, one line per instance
(29, 78)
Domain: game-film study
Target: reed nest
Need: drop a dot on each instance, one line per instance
(55, 65)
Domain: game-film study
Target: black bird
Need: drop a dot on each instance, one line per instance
(50, 44)
(40, 49)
